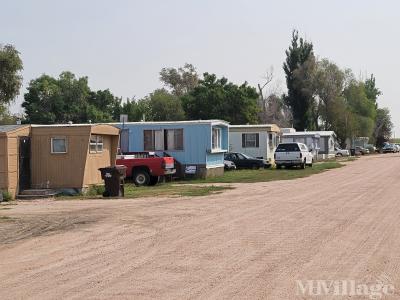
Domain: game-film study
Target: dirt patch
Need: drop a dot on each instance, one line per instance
(13, 229)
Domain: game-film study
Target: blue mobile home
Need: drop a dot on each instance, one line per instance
(197, 146)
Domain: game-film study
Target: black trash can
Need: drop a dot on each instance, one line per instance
(353, 152)
(114, 180)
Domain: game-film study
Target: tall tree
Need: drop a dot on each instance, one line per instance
(10, 74)
(362, 108)
(329, 83)
(371, 90)
(165, 106)
(181, 81)
(217, 98)
(299, 67)
(383, 127)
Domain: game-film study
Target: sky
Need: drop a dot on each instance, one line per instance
(123, 45)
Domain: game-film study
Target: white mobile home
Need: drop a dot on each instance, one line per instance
(321, 142)
(254, 140)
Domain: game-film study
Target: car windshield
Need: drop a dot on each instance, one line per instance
(243, 156)
(287, 148)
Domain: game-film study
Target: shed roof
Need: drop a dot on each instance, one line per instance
(191, 122)
(268, 127)
(308, 133)
(4, 129)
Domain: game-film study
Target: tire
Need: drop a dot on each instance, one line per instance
(278, 167)
(339, 155)
(310, 165)
(141, 177)
(153, 180)
(255, 167)
(303, 165)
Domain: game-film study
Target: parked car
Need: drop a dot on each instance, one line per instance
(389, 148)
(229, 165)
(145, 168)
(361, 150)
(293, 154)
(371, 148)
(243, 161)
(341, 152)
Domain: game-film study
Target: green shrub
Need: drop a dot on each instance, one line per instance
(95, 190)
(6, 196)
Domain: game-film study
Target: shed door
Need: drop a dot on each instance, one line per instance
(24, 163)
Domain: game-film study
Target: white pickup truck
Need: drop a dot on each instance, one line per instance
(293, 154)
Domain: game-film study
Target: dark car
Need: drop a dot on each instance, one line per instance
(389, 148)
(243, 161)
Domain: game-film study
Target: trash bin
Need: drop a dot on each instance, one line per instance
(114, 180)
(353, 152)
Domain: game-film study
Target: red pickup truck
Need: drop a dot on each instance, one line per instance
(145, 168)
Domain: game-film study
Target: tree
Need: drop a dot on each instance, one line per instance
(274, 111)
(67, 98)
(383, 127)
(299, 67)
(329, 84)
(165, 106)
(10, 76)
(371, 90)
(181, 81)
(217, 98)
(137, 110)
(363, 109)
(103, 106)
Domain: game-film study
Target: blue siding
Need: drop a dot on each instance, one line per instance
(196, 138)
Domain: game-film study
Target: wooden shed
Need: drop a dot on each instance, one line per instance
(69, 156)
(14, 164)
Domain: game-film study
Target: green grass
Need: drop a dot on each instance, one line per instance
(264, 175)
(168, 189)
(5, 218)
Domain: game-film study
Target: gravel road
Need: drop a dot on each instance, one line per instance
(253, 242)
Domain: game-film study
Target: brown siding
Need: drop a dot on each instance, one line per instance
(12, 158)
(59, 170)
(12, 165)
(3, 163)
(99, 160)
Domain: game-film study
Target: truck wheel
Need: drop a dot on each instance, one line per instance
(141, 177)
(153, 180)
(278, 166)
(310, 165)
(303, 165)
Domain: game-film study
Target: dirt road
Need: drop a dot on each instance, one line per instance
(251, 242)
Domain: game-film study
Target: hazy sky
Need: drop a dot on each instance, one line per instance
(122, 45)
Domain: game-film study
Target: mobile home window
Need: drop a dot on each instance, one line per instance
(96, 144)
(250, 140)
(173, 139)
(153, 140)
(59, 145)
(216, 138)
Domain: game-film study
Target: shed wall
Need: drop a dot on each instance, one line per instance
(59, 170)
(3, 163)
(100, 160)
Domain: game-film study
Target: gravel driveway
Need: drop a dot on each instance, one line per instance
(256, 241)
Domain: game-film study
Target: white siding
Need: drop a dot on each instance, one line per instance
(235, 144)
